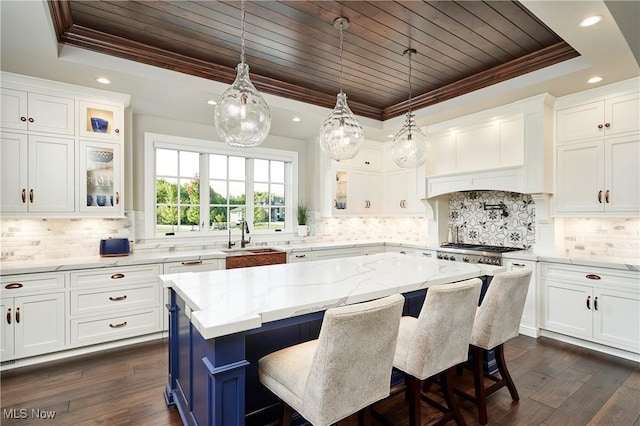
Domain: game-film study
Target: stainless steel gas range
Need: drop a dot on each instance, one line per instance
(473, 253)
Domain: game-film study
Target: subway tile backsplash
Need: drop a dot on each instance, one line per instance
(615, 237)
(480, 220)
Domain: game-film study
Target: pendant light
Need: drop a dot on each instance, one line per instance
(242, 116)
(409, 147)
(341, 134)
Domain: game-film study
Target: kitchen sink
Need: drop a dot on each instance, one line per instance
(246, 257)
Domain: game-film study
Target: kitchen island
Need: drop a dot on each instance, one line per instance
(222, 322)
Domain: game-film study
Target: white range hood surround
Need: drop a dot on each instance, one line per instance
(509, 148)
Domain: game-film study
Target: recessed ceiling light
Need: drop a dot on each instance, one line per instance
(591, 20)
(103, 80)
(296, 119)
(212, 102)
(594, 80)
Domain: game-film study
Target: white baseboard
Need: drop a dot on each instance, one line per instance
(591, 345)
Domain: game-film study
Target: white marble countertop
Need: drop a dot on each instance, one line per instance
(229, 301)
(599, 261)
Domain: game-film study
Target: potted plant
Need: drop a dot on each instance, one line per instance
(303, 228)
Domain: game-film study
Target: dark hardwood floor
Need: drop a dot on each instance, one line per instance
(559, 384)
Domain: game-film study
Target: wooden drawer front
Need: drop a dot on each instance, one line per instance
(590, 276)
(16, 284)
(116, 276)
(93, 301)
(101, 329)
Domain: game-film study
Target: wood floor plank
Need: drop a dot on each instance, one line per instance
(623, 408)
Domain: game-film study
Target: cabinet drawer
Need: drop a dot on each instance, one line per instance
(17, 284)
(300, 256)
(196, 265)
(92, 301)
(116, 276)
(590, 276)
(101, 329)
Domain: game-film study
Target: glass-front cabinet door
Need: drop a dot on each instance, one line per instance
(101, 120)
(101, 178)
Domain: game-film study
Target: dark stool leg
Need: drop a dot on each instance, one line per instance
(478, 382)
(413, 393)
(504, 372)
(287, 411)
(450, 399)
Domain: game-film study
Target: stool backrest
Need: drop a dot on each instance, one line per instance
(353, 359)
(441, 337)
(498, 317)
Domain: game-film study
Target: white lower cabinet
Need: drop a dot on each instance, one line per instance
(595, 304)
(529, 320)
(430, 254)
(114, 303)
(299, 256)
(33, 315)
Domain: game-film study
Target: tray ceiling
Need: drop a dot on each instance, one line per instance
(293, 50)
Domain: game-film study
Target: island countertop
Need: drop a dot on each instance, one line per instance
(234, 300)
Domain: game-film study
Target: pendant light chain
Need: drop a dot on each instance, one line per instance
(242, 32)
(341, 50)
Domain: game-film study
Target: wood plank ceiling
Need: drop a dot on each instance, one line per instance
(293, 49)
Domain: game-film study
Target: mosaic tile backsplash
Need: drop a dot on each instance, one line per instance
(494, 218)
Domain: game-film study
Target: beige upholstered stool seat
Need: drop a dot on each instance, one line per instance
(346, 369)
(497, 321)
(434, 343)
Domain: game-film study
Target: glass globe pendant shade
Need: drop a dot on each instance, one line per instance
(341, 134)
(409, 146)
(242, 116)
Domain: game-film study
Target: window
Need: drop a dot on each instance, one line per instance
(196, 187)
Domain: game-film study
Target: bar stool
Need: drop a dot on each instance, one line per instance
(434, 343)
(345, 370)
(497, 321)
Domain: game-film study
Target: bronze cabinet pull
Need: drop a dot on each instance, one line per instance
(117, 197)
(606, 196)
(403, 252)
(122, 324)
(117, 276)
(600, 126)
(117, 130)
(593, 277)
(24, 195)
(426, 254)
(300, 256)
(31, 120)
(118, 298)
(595, 303)
(23, 118)
(519, 265)
(9, 316)
(13, 286)
(17, 315)
(588, 302)
(607, 125)
(600, 196)
(192, 262)
(31, 195)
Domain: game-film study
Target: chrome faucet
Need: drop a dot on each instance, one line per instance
(245, 229)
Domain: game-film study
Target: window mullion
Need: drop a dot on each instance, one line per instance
(205, 220)
(249, 176)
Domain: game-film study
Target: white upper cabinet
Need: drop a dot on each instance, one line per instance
(37, 174)
(62, 149)
(37, 112)
(598, 152)
(607, 117)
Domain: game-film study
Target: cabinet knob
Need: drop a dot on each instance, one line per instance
(31, 120)
(600, 126)
(588, 302)
(117, 130)
(607, 125)
(23, 118)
